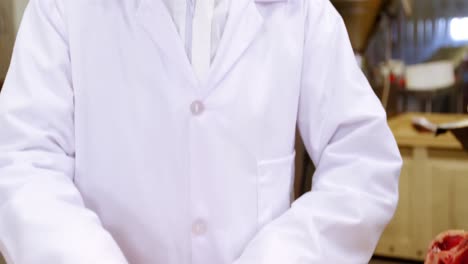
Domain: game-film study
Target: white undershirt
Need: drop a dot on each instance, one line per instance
(200, 25)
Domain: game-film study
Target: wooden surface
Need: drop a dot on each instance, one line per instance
(433, 189)
(407, 136)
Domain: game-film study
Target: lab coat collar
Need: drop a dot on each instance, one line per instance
(156, 20)
(243, 25)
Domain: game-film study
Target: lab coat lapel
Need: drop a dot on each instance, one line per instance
(243, 25)
(157, 22)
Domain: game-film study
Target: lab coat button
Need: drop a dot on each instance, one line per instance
(197, 108)
(199, 228)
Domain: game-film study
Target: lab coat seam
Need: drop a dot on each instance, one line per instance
(49, 18)
(60, 27)
(60, 13)
(324, 113)
(323, 117)
(309, 37)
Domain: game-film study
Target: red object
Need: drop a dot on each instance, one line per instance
(393, 78)
(402, 83)
(450, 247)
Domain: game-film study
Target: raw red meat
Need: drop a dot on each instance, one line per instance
(450, 247)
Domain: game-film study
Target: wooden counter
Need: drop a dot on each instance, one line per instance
(433, 188)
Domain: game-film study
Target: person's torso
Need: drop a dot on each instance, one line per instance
(182, 171)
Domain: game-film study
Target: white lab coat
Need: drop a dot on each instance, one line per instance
(105, 157)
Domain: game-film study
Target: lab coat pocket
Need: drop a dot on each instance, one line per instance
(275, 186)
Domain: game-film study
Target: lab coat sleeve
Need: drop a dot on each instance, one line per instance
(355, 187)
(42, 215)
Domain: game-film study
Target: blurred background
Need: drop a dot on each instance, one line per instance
(415, 55)
(11, 12)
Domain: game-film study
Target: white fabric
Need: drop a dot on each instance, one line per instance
(201, 37)
(220, 16)
(200, 25)
(181, 12)
(111, 150)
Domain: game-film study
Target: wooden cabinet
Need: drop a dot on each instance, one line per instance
(433, 189)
